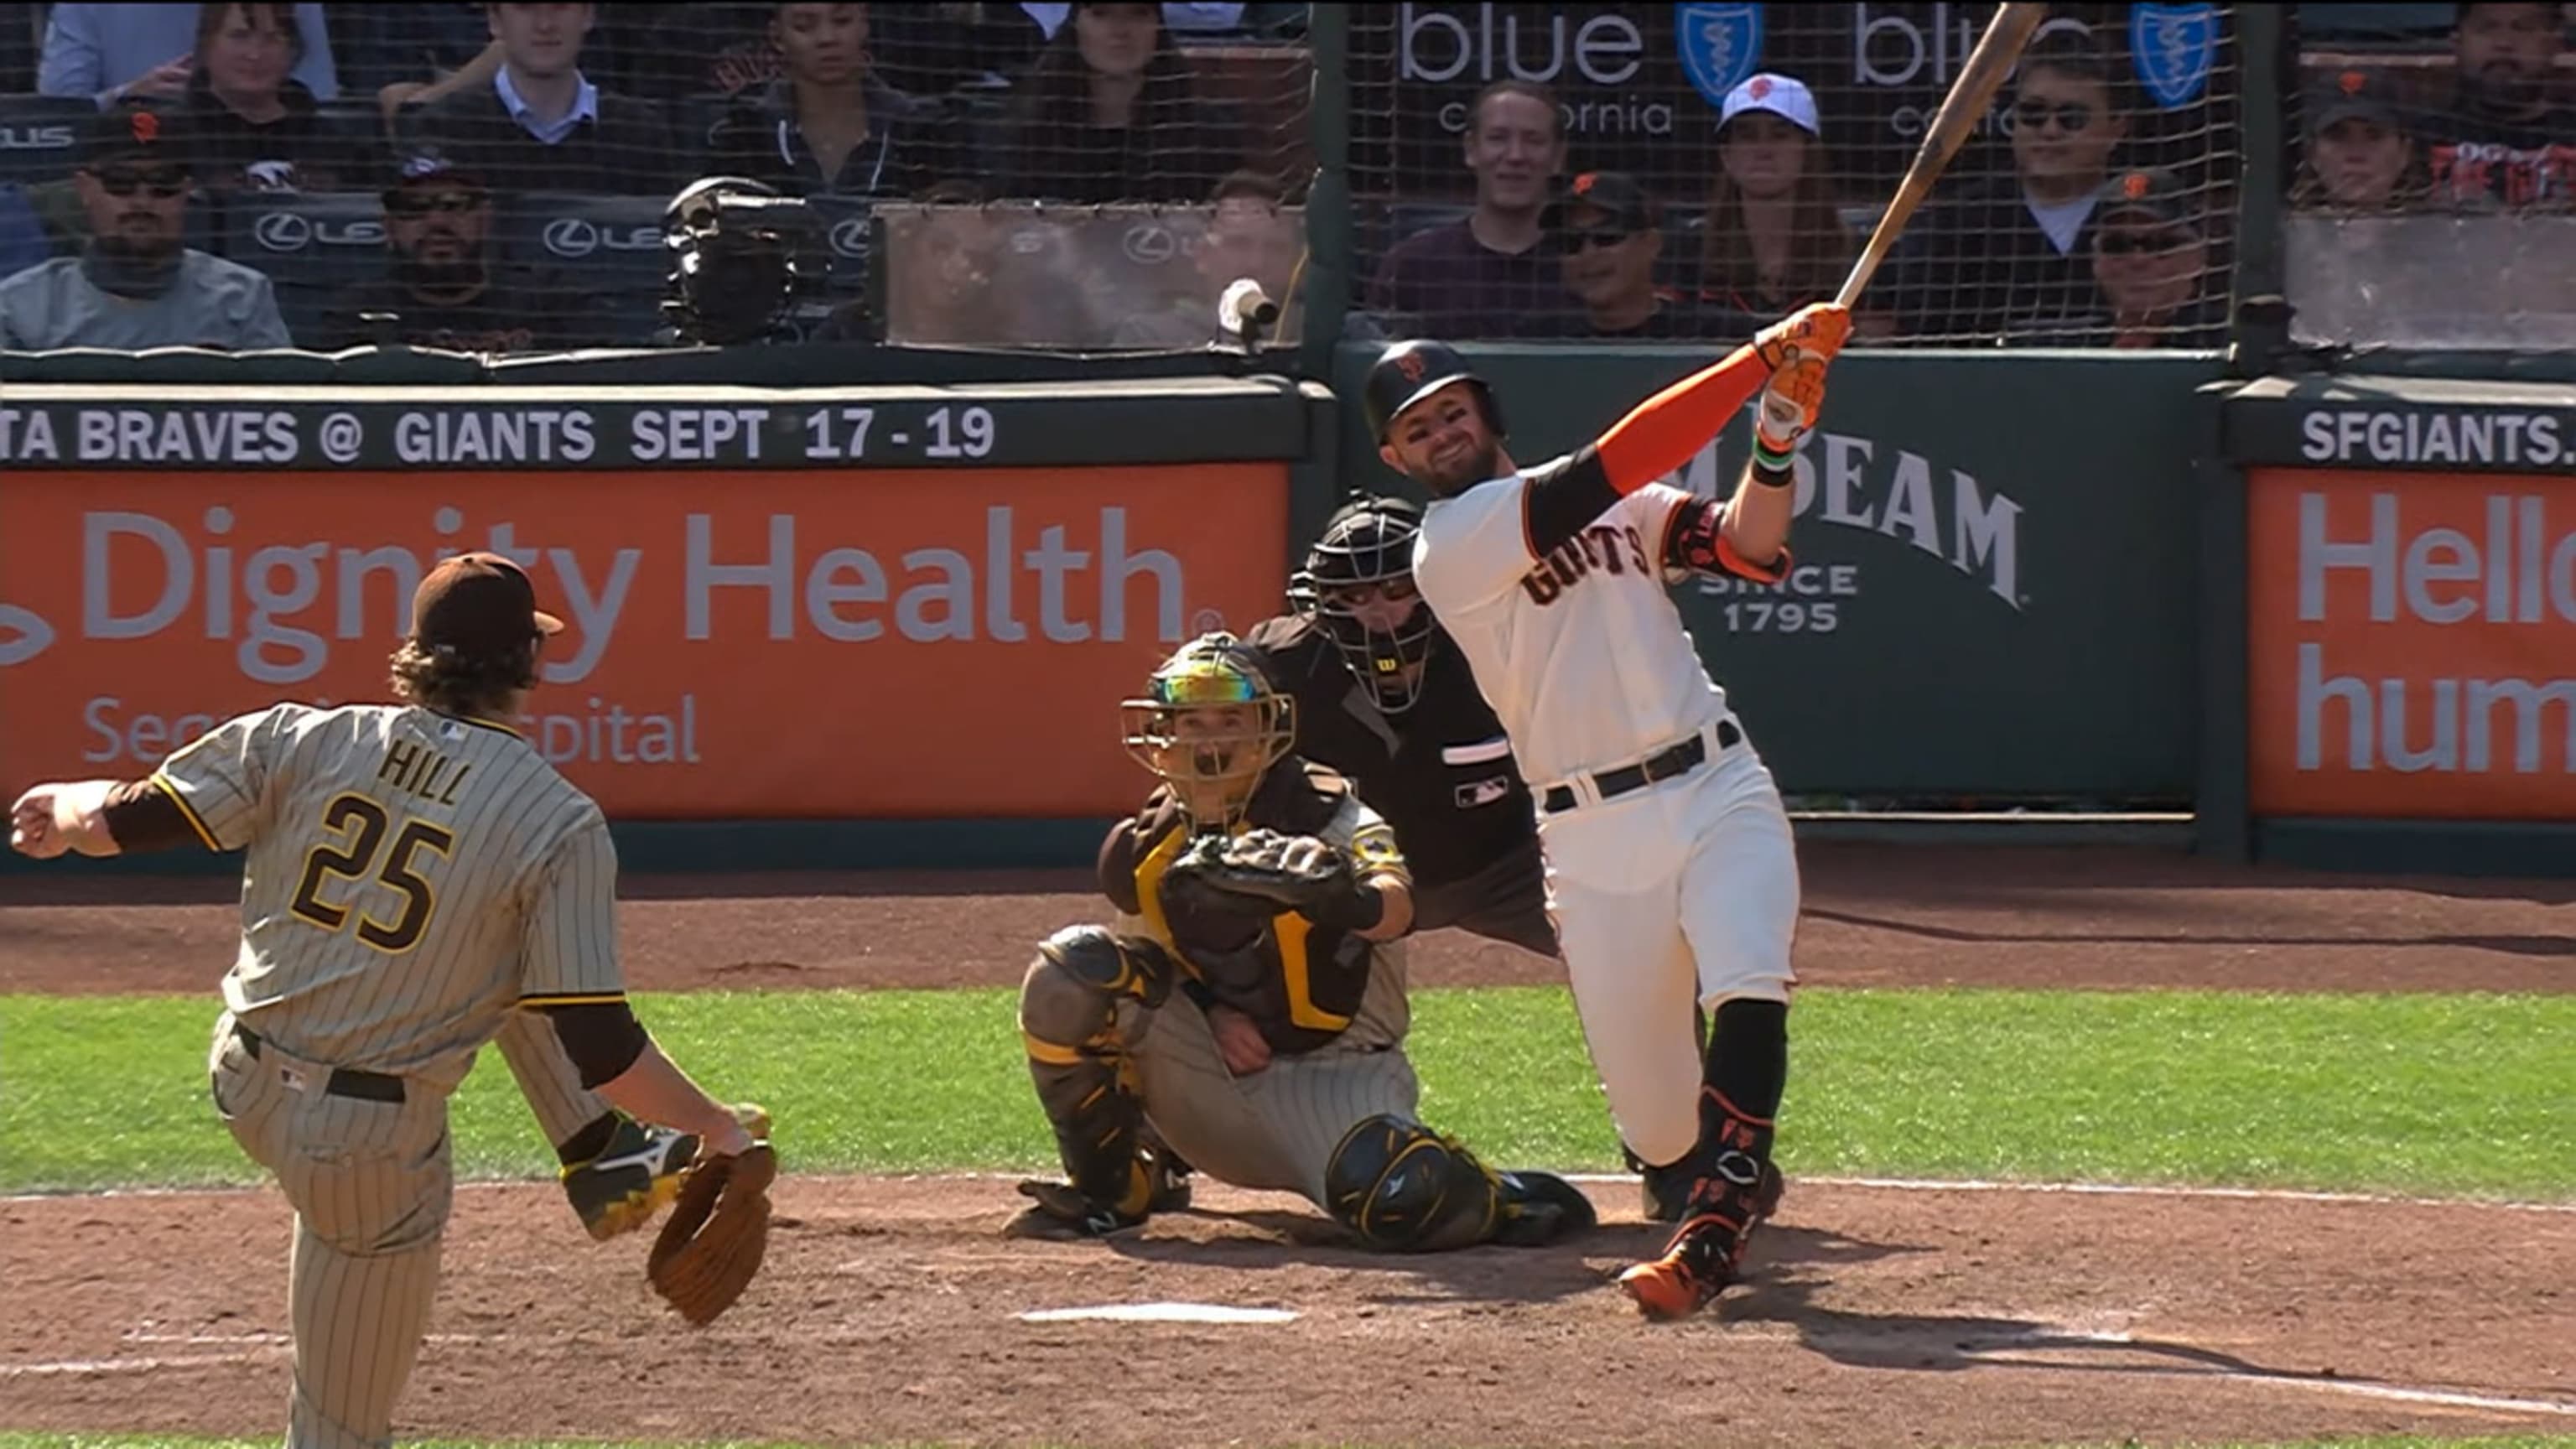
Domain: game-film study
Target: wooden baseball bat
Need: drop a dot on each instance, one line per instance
(1975, 85)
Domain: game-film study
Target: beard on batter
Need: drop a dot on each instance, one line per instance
(1455, 475)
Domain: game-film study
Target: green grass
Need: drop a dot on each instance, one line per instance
(164, 1441)
(181, 1442)
(2446, 1095)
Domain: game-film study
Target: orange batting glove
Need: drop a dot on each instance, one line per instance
(1791, 405)
(1817, 330)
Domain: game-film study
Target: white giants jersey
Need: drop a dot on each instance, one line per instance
(1581, 653)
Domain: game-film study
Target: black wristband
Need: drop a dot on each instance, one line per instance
(1784, 476)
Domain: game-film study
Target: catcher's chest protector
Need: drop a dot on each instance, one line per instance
(1302, 982)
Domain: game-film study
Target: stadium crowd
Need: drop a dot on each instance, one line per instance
(495, 177)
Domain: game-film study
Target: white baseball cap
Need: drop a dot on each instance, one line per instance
(1781, 95)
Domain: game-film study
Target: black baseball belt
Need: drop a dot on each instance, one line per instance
(343, 1081)
(1681, 759)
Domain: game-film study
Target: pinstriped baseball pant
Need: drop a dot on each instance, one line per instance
(1275, 1129)
(370, 1183)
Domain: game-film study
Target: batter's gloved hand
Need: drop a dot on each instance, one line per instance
(718, 1232)
(1817, 330)
(1268, 872)
(1791, 404)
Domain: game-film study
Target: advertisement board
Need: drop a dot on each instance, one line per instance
(1994, 566)
(2411, 644)
(1639, 85)
(743, 643)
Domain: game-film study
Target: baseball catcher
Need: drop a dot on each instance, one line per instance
(1246, 1010)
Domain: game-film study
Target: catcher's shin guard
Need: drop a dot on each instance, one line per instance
(1083, 1077)
(1405, 1188)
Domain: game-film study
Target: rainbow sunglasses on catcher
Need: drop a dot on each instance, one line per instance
(1209, 724)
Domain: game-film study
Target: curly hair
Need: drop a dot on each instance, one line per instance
(438, 678)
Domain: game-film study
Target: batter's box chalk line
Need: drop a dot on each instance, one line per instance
(1160, 1313)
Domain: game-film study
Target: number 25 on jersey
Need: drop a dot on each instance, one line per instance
(359, 826)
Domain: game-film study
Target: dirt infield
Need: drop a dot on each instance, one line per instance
(1874, 1314)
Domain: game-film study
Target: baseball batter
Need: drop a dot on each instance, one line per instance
(416, 878)
(1262, 1041)
(1671, 871)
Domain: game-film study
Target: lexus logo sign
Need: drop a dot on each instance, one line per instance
(287, 231)
(573, 236)
(850, 237)
(283, 231)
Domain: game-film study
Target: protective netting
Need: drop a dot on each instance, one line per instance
(494, 177)
(2433, 175)
(1749, 148)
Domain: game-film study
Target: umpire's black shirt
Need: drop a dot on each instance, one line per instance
(1441, 773)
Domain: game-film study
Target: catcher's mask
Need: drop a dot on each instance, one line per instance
(1210, 719)
(1358, 586)
(741, 257)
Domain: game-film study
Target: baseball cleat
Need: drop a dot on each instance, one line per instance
(1664, 1193)
(1539, 1208)
(1696, 1267)
(1060, 1213)
(634, 1177)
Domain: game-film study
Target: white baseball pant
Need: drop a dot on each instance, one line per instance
(1685, 889)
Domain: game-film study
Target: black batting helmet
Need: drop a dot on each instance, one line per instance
(1369, 541)
(1408, 372)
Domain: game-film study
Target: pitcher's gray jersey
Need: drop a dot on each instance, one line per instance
(411, 877)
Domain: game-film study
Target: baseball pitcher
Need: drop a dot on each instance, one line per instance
(416, 879)
(1248, 1005)
(1671, 870)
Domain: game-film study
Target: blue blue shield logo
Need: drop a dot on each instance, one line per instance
(1719, 44)
(2174, 45)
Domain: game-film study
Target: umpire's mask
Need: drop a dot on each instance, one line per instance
(1358, 586)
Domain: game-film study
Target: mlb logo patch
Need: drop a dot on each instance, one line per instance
(1483, 792)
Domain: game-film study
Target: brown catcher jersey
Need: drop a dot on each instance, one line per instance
(1305, 985)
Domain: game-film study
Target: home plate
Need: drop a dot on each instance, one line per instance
(1162, 1313)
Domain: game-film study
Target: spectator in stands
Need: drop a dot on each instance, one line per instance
(2507, 139)
(137, 284)
(541, 125)
(1484, 274)
(828, 126)
(2015, 252)
(1249, 234)
(1772, 240)
(1110, 113)
(2150, 258)
(1610, 234)
(2358, 156)
(442, 287)
(22, 232)
(147, 52)
(252, 124)
(941, 289)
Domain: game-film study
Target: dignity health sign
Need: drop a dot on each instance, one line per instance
(739, 644)
(2413, 644)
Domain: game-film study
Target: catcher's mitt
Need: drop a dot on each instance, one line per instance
(1262, 872)
(718, 1231)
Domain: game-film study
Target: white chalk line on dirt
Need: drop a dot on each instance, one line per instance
(276, 1345)
(1612, 1179)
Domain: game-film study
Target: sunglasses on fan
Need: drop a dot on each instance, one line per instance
(125, 181)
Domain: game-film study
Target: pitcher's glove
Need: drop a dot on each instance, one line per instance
(711, 1247)
(1262, 872)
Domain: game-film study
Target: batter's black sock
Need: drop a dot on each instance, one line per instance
(1741, 1080)
(589, 1142)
